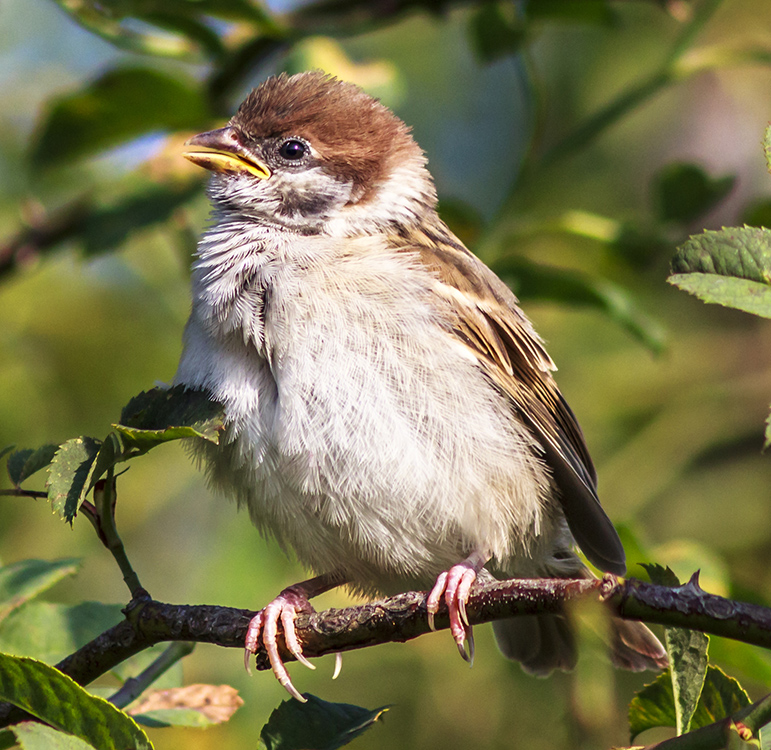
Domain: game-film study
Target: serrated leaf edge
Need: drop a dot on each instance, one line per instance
(85, 488)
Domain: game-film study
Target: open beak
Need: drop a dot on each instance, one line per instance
(221, 151)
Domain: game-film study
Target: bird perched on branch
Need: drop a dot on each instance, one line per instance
(391, 413)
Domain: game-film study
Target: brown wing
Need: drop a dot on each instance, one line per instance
(487, 319)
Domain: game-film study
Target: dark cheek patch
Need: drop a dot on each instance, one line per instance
(309, 203)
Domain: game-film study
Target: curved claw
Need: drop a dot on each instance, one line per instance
(467, 656)
(264, 626)
(462, 594)
(454, 586)
(252, 640)
(434, 597)
(338, 665)
(290, 636)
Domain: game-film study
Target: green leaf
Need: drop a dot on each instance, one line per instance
(108, 26)
(24, 580)
(24, 463)
(230, 10)
(119, 106)
(757, 214)
(687, 651)
(688, 660)
(684, 556)
(197, 32)
(69, 475)
(741, 252)
(536, 281)
(660, 575)
(765, 737)
(748, 296)
(577, 11)
(190, 21)
(683, 192)
(496, 31)
(721, 696)
(730, 267)
(16, 462)
(5, 451)
(108, 455)
(108, 228)
(34, 736)
(60, 702)
(654, 706)
(640, 247)
(164, 414)
(317, 724)
(49, 632)
(767, 443)
(767, 146)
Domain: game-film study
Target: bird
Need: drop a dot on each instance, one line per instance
(391, 415)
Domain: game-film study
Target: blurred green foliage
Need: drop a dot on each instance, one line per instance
(574, 144)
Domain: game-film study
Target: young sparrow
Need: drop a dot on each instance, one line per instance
(391, 413)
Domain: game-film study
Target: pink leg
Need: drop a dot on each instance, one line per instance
(455, 585)
(284, 609)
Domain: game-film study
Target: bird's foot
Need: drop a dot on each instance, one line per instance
(283, 609)
(455, 586)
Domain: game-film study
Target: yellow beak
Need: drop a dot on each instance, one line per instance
(224, 153)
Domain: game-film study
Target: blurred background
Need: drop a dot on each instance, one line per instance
(574, 145)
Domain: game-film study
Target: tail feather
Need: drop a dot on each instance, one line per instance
(635, 648)
(543, 643)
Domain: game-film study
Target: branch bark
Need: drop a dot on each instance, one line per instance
(402, 618)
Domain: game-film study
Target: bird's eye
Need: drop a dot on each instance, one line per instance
(292, 150)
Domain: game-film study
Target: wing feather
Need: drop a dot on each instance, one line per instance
(487, 319)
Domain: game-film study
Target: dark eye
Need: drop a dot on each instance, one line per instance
(292, 150)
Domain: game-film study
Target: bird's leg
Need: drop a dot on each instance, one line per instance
(291, 602)
(455, 585)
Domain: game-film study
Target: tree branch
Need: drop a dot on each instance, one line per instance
(402, 618)
(689, 606)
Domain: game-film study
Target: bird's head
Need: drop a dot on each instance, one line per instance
(314, 154)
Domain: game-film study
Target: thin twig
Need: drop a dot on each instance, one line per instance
(135, 686)
(104, 501)
(18, 492)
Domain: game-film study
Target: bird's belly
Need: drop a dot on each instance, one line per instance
(389, 465)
